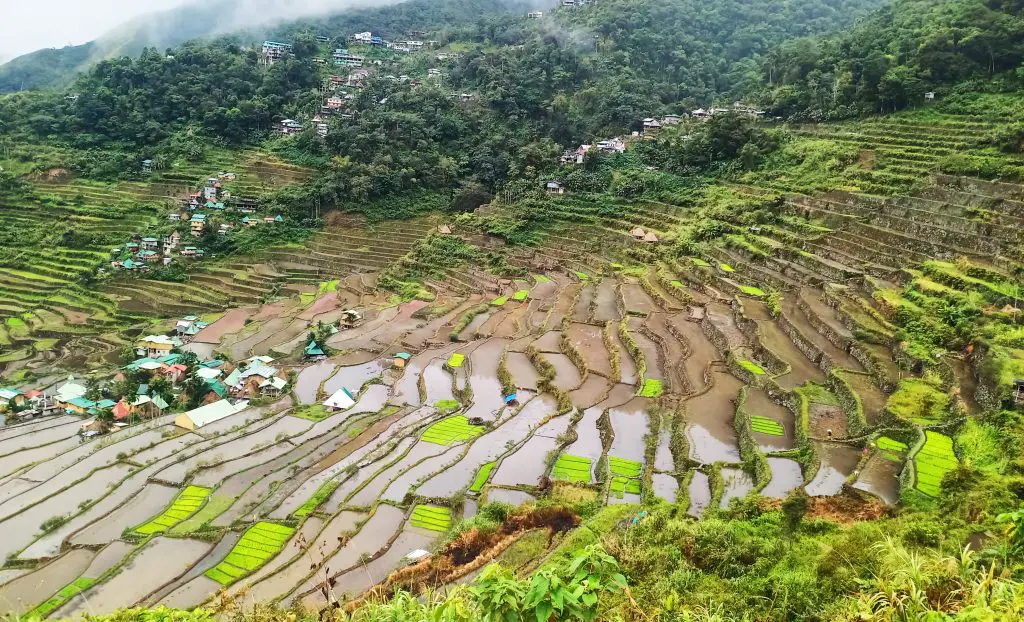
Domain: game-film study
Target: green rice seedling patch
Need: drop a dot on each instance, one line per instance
(318, 497)
(452, 430)
(751, 366)
(575, 469)
(697, 261)
(583, 276)
(919, 400)
(456, 360)
(184, 505)
(432, 517)
(891, 449)
(540, 278)
(447, 406)
(481, 476)
(312, 412)
(726, 268)
(621, 485)
(752, 291)
(935, 459)
(68, 592)
(624, 467)
(327, 287)
(307, 298)
(652, 387)
(764, 425)
(677, 284)
(258, 545)
(521, 295)
(499, 301)
(214, 507)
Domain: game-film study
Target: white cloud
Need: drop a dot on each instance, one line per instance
(28, 25)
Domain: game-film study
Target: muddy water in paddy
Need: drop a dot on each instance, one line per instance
(548, 342)
(772, 337)
(19, 529)
(589, 342)
(18, 459)
(709, 417)
(665, 487)
(588, 436)
(880, 477)
(871, 397)
(438, 383)
(636, 300)
(799, 319)
(630, 425)
(700, 494)
(663, 459)
(487, 395)
(758, 403)
(192, 588)
(606, 306)
(358, 580)
(649, 349)
(149, 502)
(563, 306)
(673, 354)
(581, 312)
(701, 350)
(524, 374)
(308, 382)
(24, 429)
(527, 464)
(627, 498)
(19, 596)
(720, 314)
(82, 463)
(837, 463)
(590, 392)
(627, 368)
(786, 476)
(567, 377)
(397, 490)
(376, 484)
(160, 561)
(353, 377)
(737, 485)
(375, 534)
(469, 508)
(505, 495)
(488, 447)
(435, 328)
(469, 332)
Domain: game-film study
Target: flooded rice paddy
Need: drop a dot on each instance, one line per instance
(349, 481)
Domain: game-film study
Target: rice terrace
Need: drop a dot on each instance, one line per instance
(470, 318)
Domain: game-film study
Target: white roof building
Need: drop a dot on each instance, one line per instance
(341, 400)
(205, 415)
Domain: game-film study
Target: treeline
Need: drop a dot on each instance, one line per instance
(889, 60)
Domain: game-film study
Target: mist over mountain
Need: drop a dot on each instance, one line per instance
(248, 19)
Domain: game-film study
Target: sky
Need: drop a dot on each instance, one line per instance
(28, 25)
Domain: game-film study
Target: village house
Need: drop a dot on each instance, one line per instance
(335, 103)
(613, 145)
(554, 187)
(274, 51)
(343, 58)
(174, 217)
(192, 251)
(313, 351)
(155, 346)
(248, 381)
(171, 241)
(224, 229)
(196, 224)
(340, 400)
(535, 15)
(637, 233)
(321, 126)
(363, 37)
(10, 397)
(150, 244)
(147, 256)
(651, 124)
(576, 156)
(146, 407)
(671, 119)
(288, 126)
(357, 78)
(250, 221)
(433, 73)
(209, 413)
(147, 167)
(272, 387)
(650, 237)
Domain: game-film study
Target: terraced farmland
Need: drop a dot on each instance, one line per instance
(810, 349)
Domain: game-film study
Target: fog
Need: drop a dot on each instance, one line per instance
(28, 25)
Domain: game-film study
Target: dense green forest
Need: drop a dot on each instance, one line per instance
(889, 60)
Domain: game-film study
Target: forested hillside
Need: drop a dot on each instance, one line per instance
(889, 60)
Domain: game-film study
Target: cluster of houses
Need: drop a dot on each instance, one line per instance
(214, 197)
(141, 253)
(578, 155)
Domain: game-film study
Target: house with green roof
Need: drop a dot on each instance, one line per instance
(313, 350)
